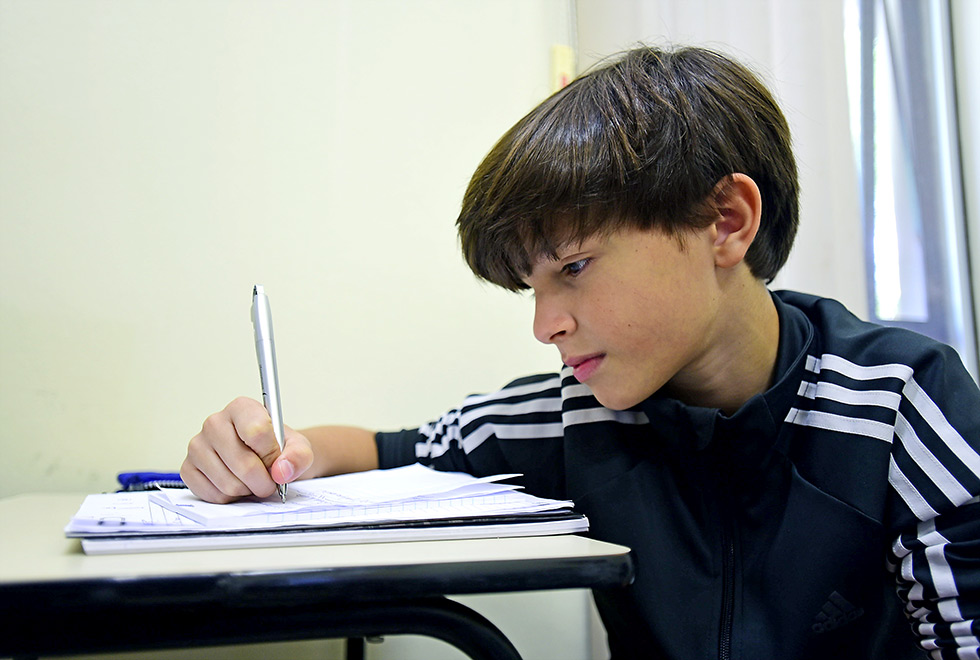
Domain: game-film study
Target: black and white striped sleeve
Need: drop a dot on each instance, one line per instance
(514, 430)
(935, 473)
(923, 419)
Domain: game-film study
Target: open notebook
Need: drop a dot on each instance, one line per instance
(401, 504)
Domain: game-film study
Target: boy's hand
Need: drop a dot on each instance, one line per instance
(236, 454)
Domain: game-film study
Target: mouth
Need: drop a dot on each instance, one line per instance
(583, 367)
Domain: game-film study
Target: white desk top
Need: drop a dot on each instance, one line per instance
(33, 548)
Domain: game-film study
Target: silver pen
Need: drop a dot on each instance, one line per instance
(265, 349)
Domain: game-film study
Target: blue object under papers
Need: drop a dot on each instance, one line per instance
(134, 481)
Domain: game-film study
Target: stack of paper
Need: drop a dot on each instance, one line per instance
(407, 503)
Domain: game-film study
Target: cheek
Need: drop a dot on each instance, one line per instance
(657, 308)
(666, 323)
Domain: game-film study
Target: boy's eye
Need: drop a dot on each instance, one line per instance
(574, 268)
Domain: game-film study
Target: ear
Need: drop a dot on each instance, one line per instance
(738, 205)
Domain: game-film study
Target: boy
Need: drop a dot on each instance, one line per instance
(778, 467)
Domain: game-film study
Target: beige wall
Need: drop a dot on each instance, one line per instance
(157, 159)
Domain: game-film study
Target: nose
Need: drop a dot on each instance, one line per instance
(552, 321)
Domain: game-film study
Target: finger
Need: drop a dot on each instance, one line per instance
(253, 426)
(201, 486)
(296, 458)
(223, 457)
(229, 467)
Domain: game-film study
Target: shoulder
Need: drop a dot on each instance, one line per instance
(552, 401)
(870, 347)
(525, 389)
(884, 405)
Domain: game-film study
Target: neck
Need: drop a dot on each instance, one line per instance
(740, 358)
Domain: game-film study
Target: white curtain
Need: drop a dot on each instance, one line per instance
(911, 172)
(797, 47)
(966, 55)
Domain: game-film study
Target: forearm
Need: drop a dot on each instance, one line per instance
(340, 449)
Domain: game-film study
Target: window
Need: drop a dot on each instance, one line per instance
(904, 123)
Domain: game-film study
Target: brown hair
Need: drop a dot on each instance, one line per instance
(641, 142)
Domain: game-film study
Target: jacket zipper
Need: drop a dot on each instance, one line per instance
(727, 568)
(728, 592)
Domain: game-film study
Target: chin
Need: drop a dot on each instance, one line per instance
(617, 400)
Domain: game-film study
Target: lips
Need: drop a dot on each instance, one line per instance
(583, 367)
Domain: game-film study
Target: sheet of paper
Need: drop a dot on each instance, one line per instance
(269, 514)
(361, 492)
(113, 513)
(101, 545)
(377, 486)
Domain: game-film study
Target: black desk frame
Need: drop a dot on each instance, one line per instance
(126, 614)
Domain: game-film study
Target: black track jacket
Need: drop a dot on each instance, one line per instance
(783, 531)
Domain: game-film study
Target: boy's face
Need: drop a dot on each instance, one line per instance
(631, 310)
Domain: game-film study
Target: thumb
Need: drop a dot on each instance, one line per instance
(295, 459)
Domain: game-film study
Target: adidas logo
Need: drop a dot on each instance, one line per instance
(836, 612)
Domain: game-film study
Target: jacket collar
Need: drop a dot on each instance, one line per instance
(753, 428)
